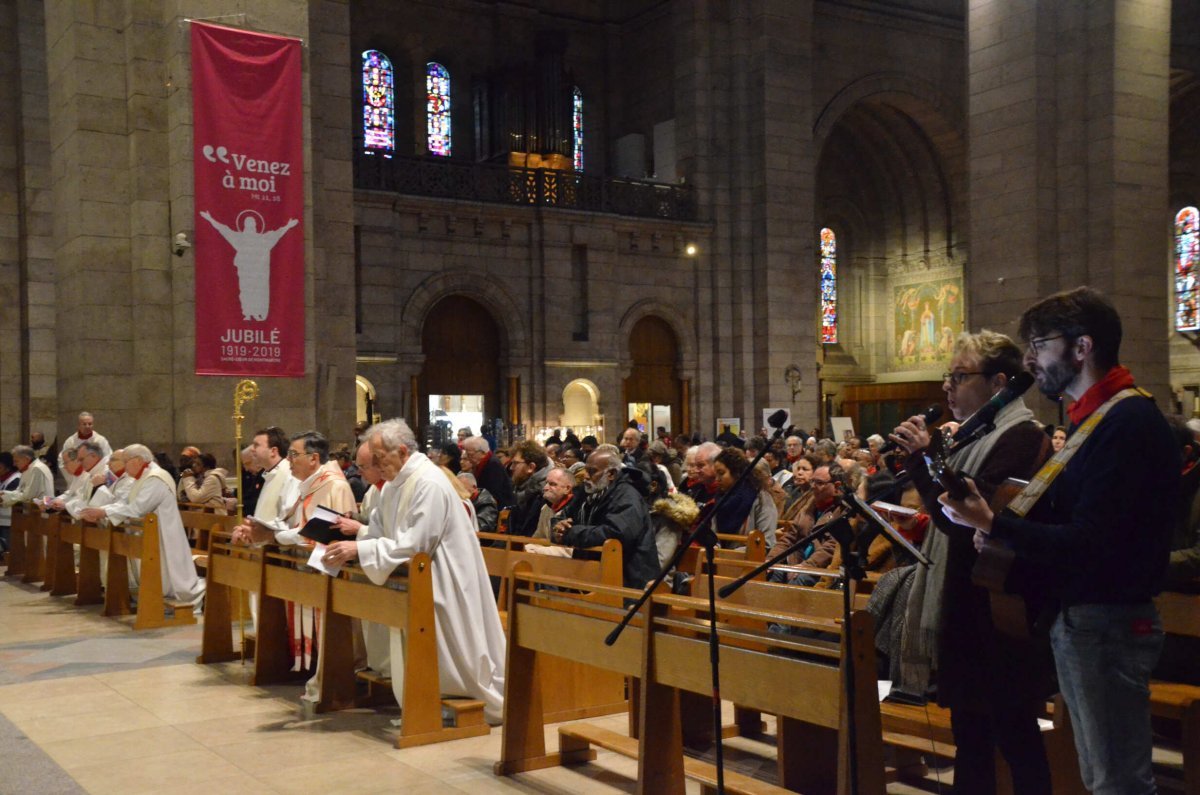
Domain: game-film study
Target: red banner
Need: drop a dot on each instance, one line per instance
(249, 159)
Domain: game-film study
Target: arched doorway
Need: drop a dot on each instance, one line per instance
(653, 394)
(366, 400)
(581, 409)
(459, 385)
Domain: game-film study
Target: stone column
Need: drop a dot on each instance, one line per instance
(744, 135)
(1068, 165)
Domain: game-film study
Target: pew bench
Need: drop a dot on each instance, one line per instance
(666, 647)
(1175, 701)
(138, 541)
(570, 689)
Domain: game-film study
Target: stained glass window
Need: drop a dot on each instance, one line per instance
(829, 319)
(437, 108)
(577, 126)
(1187, 261)
(379, 98)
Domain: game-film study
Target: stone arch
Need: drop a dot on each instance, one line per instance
(504, 309)
(894, 83)
(583, 391)
(669, 314)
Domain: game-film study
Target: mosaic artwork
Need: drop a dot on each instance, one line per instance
(928, 316)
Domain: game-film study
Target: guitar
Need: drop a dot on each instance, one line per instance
(1013, 614)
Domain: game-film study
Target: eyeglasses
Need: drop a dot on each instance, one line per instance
(296, 453)
(957, 378)
(819, 482)
(1039, 343)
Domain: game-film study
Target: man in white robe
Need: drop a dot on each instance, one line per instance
(154, 492)
(376, 637)
(420, 511)
(37, 484)
(84, 431)
(89, 463)
(115, 485)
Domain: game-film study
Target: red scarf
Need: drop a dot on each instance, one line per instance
(562, 503)
(482, 463)
(1114, 381)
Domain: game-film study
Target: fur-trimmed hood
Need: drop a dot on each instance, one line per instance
(678, 509)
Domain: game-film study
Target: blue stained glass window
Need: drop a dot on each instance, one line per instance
(577, 126)
(829, 318)
(379, 104)
(437, 108)
(1187, 261)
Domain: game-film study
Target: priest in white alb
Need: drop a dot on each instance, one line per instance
(419, 511)
(37, 484)
(154, 492)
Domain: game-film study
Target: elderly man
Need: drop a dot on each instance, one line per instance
(486, 513)
(36, 481)
(489, 473)
(613, 508)
(252, 480)
(154, 492)
(116, 482)
(84, 431)
(631, 445)
(421, 512)
(704, 482)
(89, 466)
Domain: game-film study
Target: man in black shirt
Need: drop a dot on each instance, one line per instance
(1098, 529)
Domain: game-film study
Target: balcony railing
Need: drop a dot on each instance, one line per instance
(485, 182)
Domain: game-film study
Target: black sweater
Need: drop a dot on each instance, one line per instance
(1104, 525)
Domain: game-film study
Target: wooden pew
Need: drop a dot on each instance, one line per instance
(85, 583)
(752, 548)
(570, 690)
(139, 541)
(199, 526)
(1176, 701)
(405, 602)
(35, 548)
(924, 729)
(23, 516)
(666, 646)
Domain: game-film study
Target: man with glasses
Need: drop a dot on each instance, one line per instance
(1101, 528)
(529, 466)
(489, 473)
(993, 686)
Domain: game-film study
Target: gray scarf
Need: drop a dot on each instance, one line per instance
(923, 615)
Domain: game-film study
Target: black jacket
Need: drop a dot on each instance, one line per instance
(495, 479)
(620, 513)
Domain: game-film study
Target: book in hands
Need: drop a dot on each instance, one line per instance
(320, 526)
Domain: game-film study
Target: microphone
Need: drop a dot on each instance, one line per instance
(984, 418)
(777, 419)
(931, 415)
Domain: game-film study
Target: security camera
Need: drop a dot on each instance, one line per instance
(181, 244)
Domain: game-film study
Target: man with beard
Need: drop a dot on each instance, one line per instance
(529, 465)
(993, 686)
(613, 508)
(1101, 530)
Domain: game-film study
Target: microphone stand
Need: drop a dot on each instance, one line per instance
(852, 570)
(704, 534)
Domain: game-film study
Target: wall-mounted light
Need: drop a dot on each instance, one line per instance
(690, 249)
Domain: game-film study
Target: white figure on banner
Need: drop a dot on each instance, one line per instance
(252, 260)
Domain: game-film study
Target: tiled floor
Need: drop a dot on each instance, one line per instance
(130, 713)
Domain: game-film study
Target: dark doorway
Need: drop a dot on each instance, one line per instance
(652, 390)
(462, 346)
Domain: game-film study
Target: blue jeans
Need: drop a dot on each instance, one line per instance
(1104, 655)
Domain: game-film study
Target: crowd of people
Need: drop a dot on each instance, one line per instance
(1068, 530)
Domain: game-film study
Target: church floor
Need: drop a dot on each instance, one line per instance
(87, 705)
